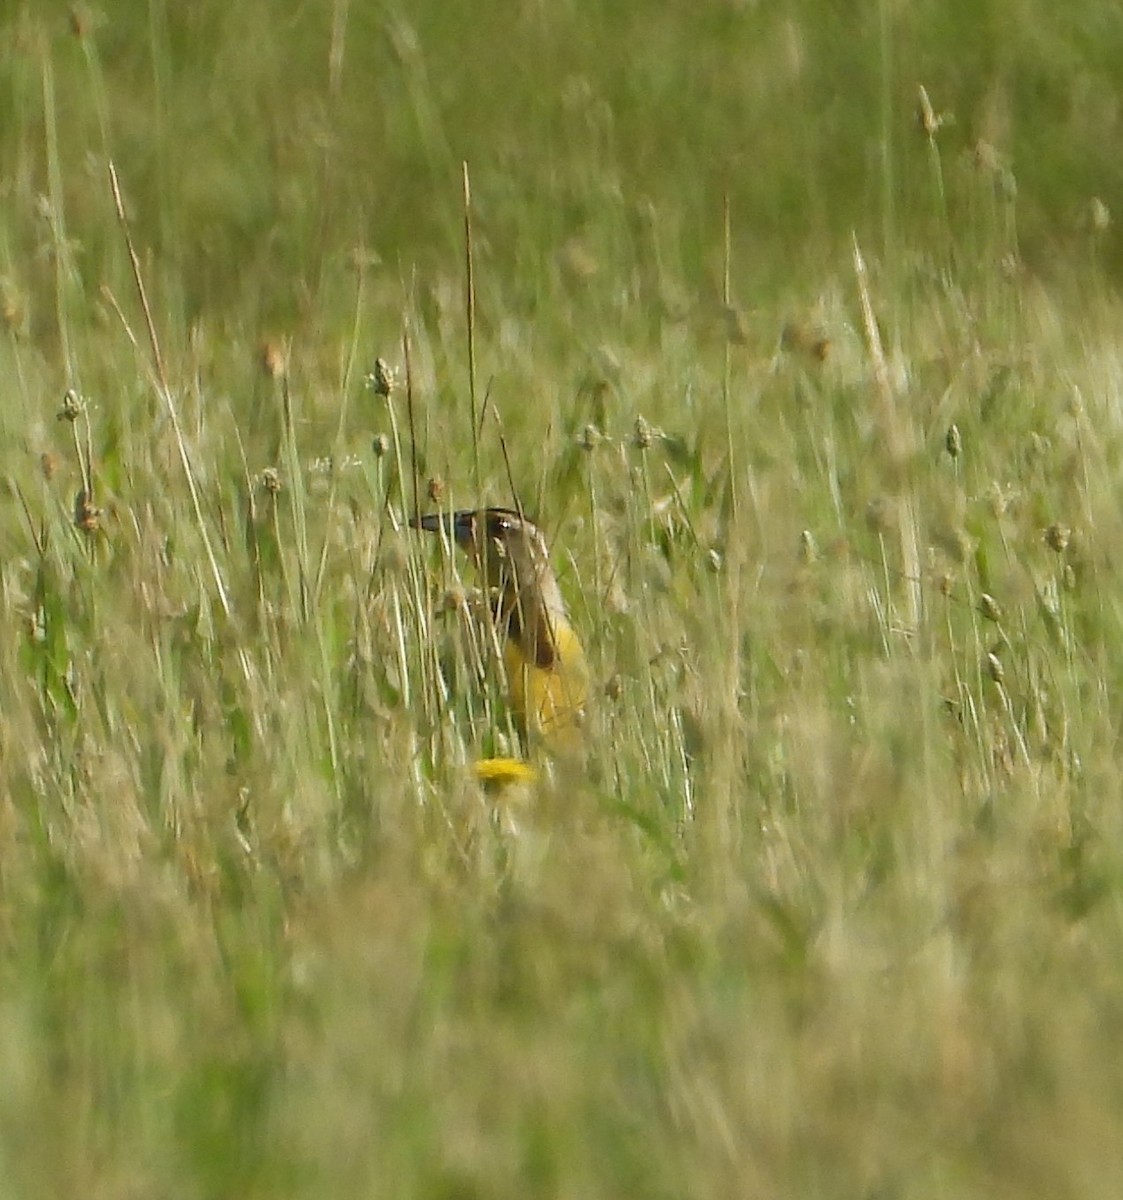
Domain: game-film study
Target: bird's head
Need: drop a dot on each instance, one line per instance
(512, 557)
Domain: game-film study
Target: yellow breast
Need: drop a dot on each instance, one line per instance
(550, 700)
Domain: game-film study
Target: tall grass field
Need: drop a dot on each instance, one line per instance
(796, 327)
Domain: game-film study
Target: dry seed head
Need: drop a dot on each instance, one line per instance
(714, 560)
(1057, 537)
(380, 446)
(1100, 215)
(271, 481)
(808, 549)
(48, 465)
(72, 406)
(926, 115)
(995, 670)
(382, 380)
(954, 441)
(614, 688)
(644, 435)
(988, 607)
(87, 515)
(436, 490)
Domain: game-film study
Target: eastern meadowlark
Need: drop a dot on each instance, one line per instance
(547, 676)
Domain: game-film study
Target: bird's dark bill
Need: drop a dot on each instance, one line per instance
(457, 524)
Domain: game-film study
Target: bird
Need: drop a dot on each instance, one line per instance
(544, 661)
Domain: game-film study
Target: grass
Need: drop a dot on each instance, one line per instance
(835, 908)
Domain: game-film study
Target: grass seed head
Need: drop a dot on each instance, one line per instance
(989, 608)
(929, 120)
(87, 515)
(808, 547)
(73, 406)
(1057, 537)
(383, 379)
(644, 435)
(925, 113)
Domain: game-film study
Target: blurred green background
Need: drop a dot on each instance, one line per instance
(259, 142)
